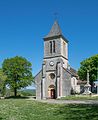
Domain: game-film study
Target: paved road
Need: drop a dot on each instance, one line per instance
(69, 101)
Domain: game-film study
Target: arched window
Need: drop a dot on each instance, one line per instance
(50, 46)
(54, 46)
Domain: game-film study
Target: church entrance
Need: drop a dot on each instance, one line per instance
(51, 92)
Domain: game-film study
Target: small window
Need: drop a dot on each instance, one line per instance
(50, 46)
(54, 46)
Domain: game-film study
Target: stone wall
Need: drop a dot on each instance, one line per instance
(74, 85)
(66, 83)
(38, 80)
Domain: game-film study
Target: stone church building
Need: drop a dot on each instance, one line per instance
(56, 78)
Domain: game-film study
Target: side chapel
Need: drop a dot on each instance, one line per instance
(56, 79)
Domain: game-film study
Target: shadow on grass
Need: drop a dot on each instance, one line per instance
(17, 97)
(76, 112)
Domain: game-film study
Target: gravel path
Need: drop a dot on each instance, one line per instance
(69, 101)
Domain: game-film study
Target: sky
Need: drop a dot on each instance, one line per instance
(24, 23)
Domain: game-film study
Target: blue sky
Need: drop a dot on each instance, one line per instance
(24, 23)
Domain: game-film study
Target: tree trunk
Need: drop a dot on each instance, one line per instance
(15, 88)
(15, 92)
(3, 90)
(91, 83)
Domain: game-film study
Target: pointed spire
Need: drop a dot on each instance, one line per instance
(55, 30)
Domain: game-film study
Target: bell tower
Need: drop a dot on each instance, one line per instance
(55, 59)
(55, 44)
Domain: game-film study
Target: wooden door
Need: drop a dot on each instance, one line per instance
(52, 93)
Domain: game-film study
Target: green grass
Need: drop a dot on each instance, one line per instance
(79, 97)
(22, 109)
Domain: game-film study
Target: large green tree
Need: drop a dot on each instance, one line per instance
(90, 64)
(2, 82)
(18, 71)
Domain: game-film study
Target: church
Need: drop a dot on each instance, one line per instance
(56, 78)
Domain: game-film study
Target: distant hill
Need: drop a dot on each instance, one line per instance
(27, 92)
(22, 92)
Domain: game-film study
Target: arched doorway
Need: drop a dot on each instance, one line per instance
(51, 92)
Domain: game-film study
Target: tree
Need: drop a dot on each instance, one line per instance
(2, 82)
(90, 64)
(19, 73)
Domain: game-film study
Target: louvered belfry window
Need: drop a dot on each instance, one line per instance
(50, 46)
(54, 46)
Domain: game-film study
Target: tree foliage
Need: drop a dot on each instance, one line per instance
(18, 71)
(90, 64)
(2, 82)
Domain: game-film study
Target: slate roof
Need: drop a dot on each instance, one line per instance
(73, 72)
(82, 82)
(55, 32)
(37, 73)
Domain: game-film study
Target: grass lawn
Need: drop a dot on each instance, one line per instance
(22, 109)
(79, 97)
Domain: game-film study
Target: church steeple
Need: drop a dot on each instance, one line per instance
(55, 30)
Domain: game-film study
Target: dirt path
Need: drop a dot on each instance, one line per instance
(69, 101)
